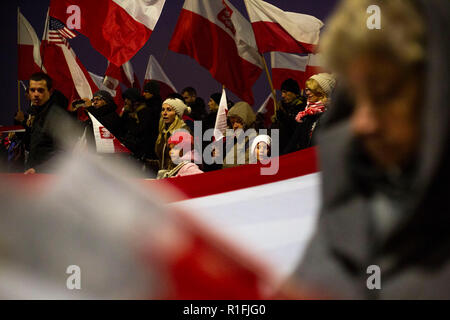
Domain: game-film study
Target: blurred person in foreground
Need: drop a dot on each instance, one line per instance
(384, 150)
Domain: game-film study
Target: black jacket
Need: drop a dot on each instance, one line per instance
(44, 131)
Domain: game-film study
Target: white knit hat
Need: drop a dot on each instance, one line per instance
(326, 81)
(179, 106)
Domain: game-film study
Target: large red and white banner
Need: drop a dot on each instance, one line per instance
(62, 65)
(216, 35)
(297, 67)
(155, 72)
(278, 30)
(117, 29)
(28, 52)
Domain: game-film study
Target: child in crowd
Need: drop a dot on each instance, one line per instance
(183, 156)
(261, 148)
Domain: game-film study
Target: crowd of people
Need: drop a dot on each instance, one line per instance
(147, 126)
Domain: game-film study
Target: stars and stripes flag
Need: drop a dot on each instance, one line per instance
(62, 64)
(58, 32)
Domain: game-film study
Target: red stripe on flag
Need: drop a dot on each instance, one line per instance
(270, 36)
(110, 29)
(26, 64)
(281, 74)
(215, 50)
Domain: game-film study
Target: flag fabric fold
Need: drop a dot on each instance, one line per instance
(62, 65)
(221, 119)
(221, 40)
(155, 72)
(297, 67)
(29, 54)
(105, 141)
(124, 74)
(117, 29)
(278, 30)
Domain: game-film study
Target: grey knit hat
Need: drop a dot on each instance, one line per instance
(179, 106)
(326, 81)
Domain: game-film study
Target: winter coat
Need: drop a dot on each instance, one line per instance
(240, 152)
(413, 250)
(154, 105)
(286, 120)
(198, 110)
(138, 132)
(48, 121)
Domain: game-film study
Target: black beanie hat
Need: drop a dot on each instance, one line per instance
(290, 85)
(216, 97)
(133, 94)
(105, 95)
(152, 87)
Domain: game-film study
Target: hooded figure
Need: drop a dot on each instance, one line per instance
(384, 225)
(242, 117)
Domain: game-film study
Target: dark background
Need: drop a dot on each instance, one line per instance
(181, 70)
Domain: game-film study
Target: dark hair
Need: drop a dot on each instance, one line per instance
(38, 76)
(189, 90)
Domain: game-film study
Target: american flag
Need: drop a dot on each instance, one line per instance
(58, 32)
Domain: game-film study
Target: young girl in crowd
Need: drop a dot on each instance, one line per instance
(261, 149)
(182, 155)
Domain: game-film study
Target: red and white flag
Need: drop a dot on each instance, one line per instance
(278, 30)
(105, 141)
(62, 65)
(117, 29)
(29, 54)
(115, 93)
(156, 73)
(216, 35)
(299, 68)
(124, 74)
(221, 119)
(268, 110)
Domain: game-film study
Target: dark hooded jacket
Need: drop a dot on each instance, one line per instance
(43, 133)
(413, 252)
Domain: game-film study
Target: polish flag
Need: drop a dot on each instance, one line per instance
(28, 51)
(278, 30)
(216, 35)
(124, 74)
(268, 110)
(62, 65)
(105, 141)
(221, 118)
(156, 73)
(297, 67)
(117, 29)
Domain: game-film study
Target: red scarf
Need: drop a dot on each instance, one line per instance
(311, 109)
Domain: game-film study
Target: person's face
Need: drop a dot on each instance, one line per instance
(175, 153)
(262, 151)
(212, 105)
(287, 96)
(188, 99)
(168, 113)
(386, 114)
(39, 93)
(311, 96)
(147, 95)
(98, 102)
(236, 123)
(127, 102)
